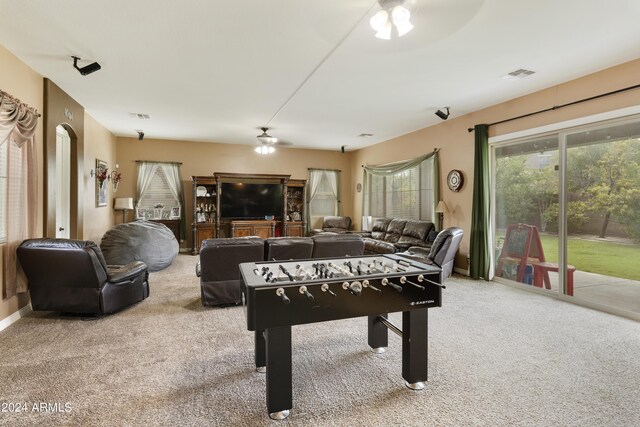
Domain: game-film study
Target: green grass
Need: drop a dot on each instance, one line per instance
(607, 258)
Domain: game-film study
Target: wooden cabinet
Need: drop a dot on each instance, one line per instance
(208, 224)
(172, 224)
(240, 228)
(296, 203)
(202, 232)
(205, 206)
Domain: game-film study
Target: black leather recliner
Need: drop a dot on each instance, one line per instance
(442, 252)
(218, 267)
(337, 245)
(284, 248)
(72, 276)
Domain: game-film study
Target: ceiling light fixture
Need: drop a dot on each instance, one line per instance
(87, 69)
(442, 114)
(393, 13)
(266, 142)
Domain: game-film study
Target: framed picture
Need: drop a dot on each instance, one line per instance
(102, 183)
(157, 213)
(175, 213)
(140, 213)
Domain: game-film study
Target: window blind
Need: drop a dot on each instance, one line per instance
(158, 192)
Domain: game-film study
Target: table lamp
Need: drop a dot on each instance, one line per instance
(123, 204)
(441, 209)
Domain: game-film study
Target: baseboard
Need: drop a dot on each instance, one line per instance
(7, 321)
(461, 271)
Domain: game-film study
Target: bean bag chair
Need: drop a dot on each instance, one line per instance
(150, 242)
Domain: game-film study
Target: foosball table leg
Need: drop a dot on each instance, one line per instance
(414, 348)
(278, 352)
(378, 334)
(260, 352)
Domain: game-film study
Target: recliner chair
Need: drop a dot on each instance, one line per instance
(218, 267)
(442, 252)
(333, 224)
(284, 248)
(72, 276)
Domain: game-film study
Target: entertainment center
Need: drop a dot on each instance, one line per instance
(236, 205)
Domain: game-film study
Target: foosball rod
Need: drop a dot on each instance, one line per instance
(434, 283)
(391, 326)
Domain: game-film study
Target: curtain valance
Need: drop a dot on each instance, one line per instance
(394, 168)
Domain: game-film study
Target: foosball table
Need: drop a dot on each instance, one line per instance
(278, 295)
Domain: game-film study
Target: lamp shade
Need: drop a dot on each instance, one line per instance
(122, 203)
(441, 208)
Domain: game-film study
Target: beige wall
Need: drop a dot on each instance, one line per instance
(203, 158)
(457, 145)
(99, 143)
(19, 80)
(22, 82)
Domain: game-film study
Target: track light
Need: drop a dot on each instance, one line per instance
(87, 69)
(442, 114)
(140, 135)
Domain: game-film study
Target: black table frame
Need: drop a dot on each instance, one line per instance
(273, 350)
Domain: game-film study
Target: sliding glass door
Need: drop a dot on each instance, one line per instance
(567, 214)
(526, 206)
(603, 215)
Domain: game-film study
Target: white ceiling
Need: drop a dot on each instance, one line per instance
(215, 70)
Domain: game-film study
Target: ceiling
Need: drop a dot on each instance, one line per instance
(312, 71)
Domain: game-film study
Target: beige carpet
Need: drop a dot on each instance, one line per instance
(498, 357)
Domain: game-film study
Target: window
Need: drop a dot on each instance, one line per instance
(407, 194)
(3, 192)
(158, 192)
(324, 200)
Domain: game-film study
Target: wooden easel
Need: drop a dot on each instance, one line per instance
(521, 244)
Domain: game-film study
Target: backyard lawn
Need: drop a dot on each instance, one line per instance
(606, 258)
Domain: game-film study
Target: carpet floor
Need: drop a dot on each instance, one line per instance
(498, 356)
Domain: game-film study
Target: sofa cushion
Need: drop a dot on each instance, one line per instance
(379, 228)
(394, 230)
(373, 246)
(416, 232)
(336, 223)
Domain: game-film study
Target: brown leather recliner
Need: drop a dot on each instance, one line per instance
(337, 245)
(72, 276)
(390, 235)
(284, 248)
(333, 224)
(218, 267)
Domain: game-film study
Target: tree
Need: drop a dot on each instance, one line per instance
(617, 181)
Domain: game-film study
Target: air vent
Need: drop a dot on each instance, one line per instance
(518, 74)
(365, 135)
(140, 116)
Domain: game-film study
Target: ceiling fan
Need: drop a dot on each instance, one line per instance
(268, 142)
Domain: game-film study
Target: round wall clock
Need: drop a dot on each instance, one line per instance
(455, 180)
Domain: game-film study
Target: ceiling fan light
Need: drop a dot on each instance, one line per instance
(402, 20)
(264, 149)
(400, 14)
(379, 20)
(404, 28)
(385, 33)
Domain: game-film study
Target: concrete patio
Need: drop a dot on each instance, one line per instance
(615, 292)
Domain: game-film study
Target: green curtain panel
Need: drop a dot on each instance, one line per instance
(479, 246)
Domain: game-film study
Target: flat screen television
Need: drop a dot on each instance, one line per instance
(250, 200)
